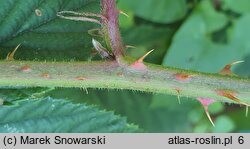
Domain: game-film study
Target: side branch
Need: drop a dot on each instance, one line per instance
(110, 28)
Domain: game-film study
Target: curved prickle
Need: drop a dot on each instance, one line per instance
(11, 54)
(205, 102)
(227, 69)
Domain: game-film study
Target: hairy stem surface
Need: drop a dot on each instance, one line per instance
(110, 75)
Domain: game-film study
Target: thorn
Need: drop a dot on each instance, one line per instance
(230, 95)
(81, 78)
(129, 46)
(85, 89)
(45, 75)
(178, 96)
(183, 77)
(247, 111)
(10, 55)
(120, 74)
(179, 99)
(227, 69)
(205, 102)
(140, 60)
(123, 13)
(25, 68)
(101, 50)
(139, 63)
(209, 117)
(87, 92)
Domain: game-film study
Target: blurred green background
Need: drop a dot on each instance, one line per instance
(202, 35)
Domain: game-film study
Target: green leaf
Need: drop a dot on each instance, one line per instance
(190, 48)
(50, 115)
(239, 119)
(162, 11)
(240, 6)
(14, 94)
(136, 106)
(224, 124)
(44, 35)
(145, 38)
(212, 19)
(194, 47)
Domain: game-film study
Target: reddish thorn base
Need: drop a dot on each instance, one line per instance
(120, 74)
(45, 75)
(138, 65)
(25, 68)
(182, 77)
(205, 101)
(80, 78)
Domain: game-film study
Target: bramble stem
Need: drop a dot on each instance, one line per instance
(122, 73)
(110, 75)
